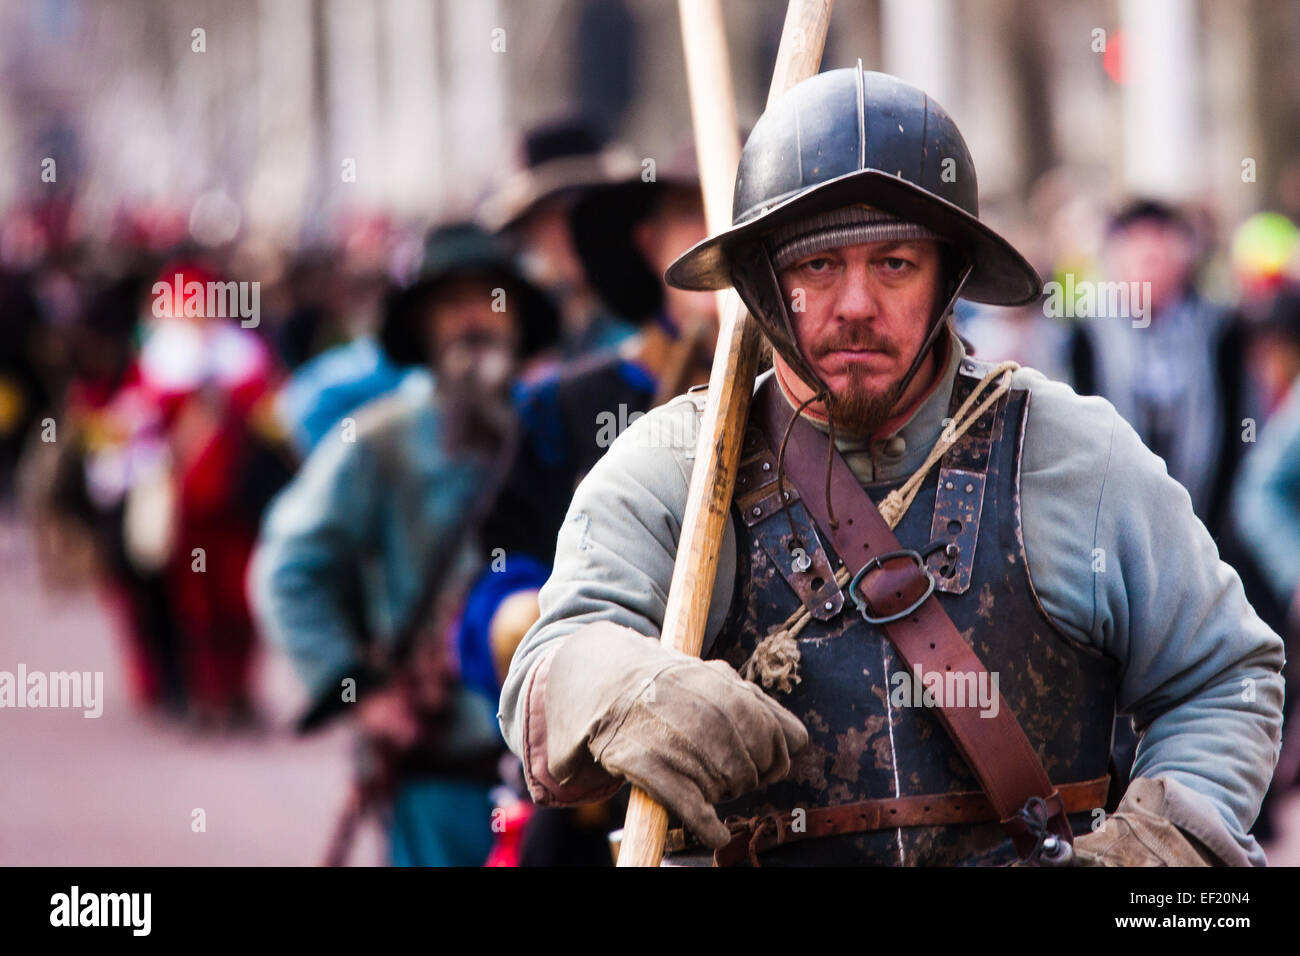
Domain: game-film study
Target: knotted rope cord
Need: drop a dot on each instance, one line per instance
(775, 661)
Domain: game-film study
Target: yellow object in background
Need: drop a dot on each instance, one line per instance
(13, 403)
(515, 615)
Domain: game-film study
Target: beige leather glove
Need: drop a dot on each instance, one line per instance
(1137, 833)
(690, 733)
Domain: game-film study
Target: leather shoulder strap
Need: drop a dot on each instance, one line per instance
(894, 590)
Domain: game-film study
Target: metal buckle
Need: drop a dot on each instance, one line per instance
(877, 562)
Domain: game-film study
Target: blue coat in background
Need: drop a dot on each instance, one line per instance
(342, 559)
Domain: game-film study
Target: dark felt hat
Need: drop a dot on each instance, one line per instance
(603, 221)
(562, 157)
(455, 251)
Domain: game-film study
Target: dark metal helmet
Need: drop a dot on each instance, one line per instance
(845, 138)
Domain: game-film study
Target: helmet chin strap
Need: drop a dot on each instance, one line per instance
(938, 323)
(803, 369)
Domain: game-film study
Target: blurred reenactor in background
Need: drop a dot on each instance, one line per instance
(363, 559)
(626, 233)
(1267, 513)
(1180, 381)
(557, 163)
(171, 459)
(110, 441)
(1177, 374)
(193, 512)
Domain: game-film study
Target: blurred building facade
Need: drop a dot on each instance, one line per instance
(289, 115)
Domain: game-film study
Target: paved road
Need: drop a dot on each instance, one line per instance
(121, 789)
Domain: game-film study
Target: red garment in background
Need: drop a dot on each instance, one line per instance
(206, 384)
(109, 416)
(508, 842)
(214, 542)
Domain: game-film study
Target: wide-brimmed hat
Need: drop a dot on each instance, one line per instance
(603, 220)
(458, 251)
(560, 158)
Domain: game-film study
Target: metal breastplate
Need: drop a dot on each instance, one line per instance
(870, 733)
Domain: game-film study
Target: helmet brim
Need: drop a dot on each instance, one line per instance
(999, 276)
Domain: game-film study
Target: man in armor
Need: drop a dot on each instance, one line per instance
(942, 578)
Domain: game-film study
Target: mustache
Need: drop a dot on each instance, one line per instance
(860, 342)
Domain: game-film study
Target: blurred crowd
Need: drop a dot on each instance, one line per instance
(361, 452)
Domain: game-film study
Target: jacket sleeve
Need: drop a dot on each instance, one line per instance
(1122, 564)
(1266, 508)
(314, 539)
(614, 562)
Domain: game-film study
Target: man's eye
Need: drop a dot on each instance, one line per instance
(895, 264)
(819, 264)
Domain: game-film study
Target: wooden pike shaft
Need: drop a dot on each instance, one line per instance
(731, 381)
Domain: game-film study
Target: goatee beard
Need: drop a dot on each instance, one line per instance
(860, 410)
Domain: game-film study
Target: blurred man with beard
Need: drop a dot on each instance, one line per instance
(364, 558)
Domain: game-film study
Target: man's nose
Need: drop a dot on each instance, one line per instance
(857, 298)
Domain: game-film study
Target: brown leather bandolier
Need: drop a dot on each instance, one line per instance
(754, 836)
(894, 589)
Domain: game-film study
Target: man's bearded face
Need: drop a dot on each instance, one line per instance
(860, 315)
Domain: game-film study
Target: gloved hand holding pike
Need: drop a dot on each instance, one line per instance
(903, 512)
(688, 731)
